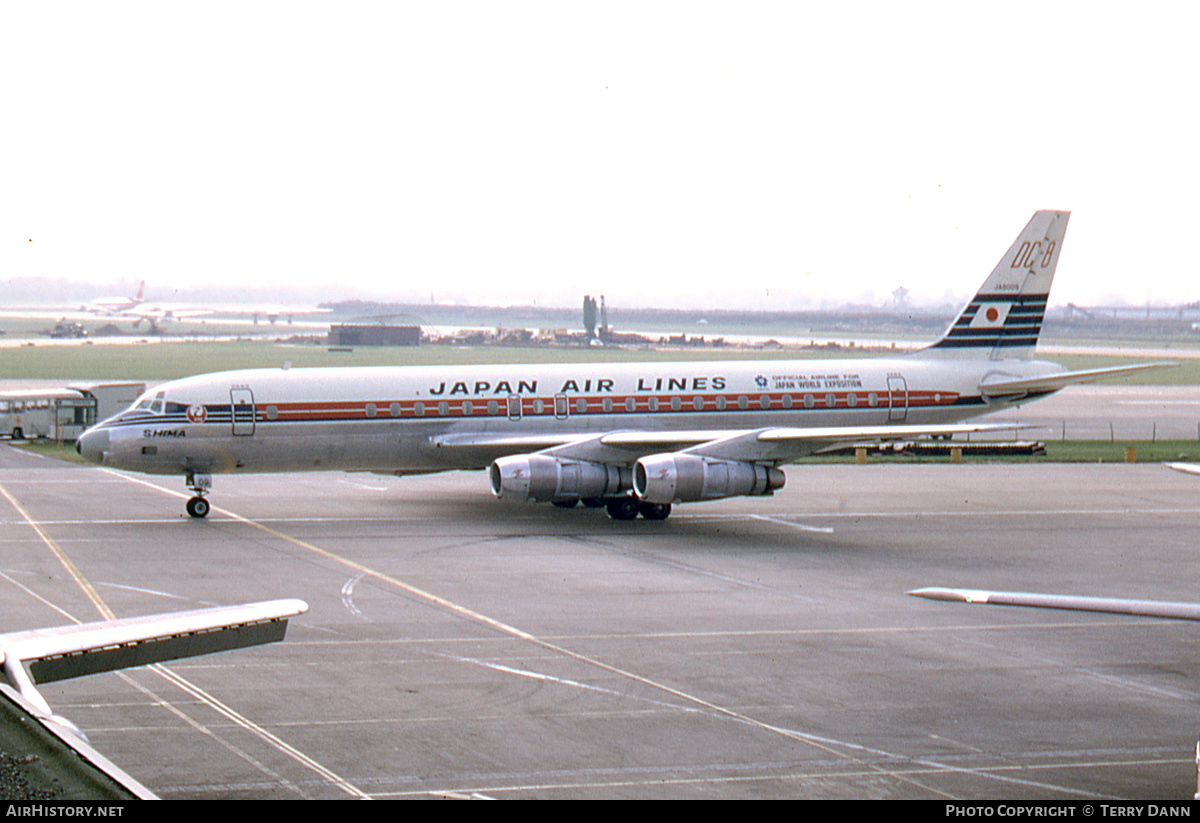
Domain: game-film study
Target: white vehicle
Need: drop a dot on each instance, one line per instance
(62, 413)
(34, 413)
(635, 437)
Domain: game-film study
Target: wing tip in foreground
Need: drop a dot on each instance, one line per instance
(1107, 605)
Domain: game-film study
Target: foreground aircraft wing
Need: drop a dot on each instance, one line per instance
(74, 651)
(1004, 387)
(1187, 468)
(1110, 605)
(49, 756)
(774, 445)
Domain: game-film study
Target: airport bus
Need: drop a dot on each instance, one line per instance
(62, 413)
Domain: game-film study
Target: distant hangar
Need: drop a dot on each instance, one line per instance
(373, 334)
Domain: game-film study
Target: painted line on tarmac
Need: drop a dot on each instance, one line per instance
(191, 722)
(276, 742)
(800, 526)
(62, 558)
(921, 768)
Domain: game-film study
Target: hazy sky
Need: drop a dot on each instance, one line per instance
(673, 153)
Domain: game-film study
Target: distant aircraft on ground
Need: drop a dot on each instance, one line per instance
(634, 437)
(47, 655)
(153, 313)
(116, 305)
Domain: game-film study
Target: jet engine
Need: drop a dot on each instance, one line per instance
(539, 478)
(685, 478)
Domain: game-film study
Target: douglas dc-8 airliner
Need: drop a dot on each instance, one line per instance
(634, 437)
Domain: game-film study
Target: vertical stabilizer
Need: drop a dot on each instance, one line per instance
(1004, 319)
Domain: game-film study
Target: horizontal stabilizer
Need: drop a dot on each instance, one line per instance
(74, 651)
(1053, 382)
(1109, 605)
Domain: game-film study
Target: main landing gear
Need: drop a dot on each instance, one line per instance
(197, 506)
(619, 508)
(629, 507)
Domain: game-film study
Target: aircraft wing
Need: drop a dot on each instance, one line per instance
(63, 762)
(767, 445)
(74, 651)
(1187, 468)
(1142, 608)
(782, 445)
(1002, 387)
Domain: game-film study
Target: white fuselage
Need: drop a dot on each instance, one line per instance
(397, 419)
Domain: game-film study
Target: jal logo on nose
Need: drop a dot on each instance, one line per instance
(197, 413)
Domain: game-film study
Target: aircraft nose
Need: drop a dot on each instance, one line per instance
(92, 445)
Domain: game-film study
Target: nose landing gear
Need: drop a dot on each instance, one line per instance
(200, 484)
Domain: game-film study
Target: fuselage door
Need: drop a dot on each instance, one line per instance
(241, 403)
(897, 397)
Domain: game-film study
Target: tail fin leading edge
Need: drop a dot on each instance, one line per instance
(1004, 319)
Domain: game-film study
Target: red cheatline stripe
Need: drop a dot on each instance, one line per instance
(357, 410)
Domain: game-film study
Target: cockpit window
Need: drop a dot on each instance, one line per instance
(153, 403)
(147, 403)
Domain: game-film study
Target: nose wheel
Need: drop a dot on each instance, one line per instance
(197, 506)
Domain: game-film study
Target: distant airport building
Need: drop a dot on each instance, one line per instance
(373, 334)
